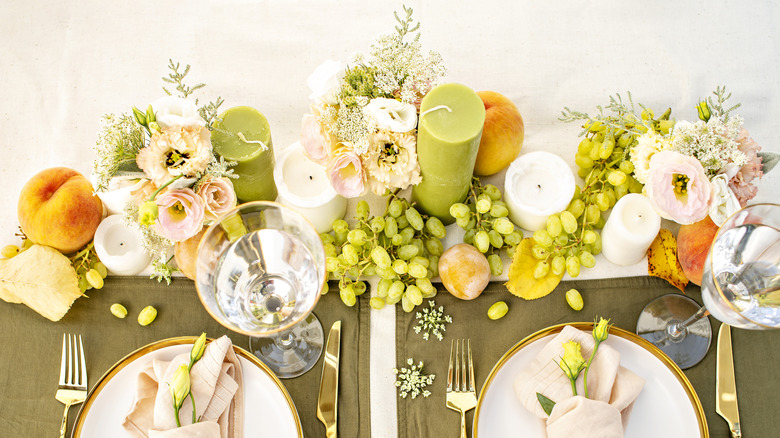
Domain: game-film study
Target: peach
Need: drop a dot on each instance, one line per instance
(464, 271)
(186, 254)
(502, 135)
(693, 244)
(57, 207)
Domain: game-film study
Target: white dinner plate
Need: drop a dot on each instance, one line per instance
(267, 405)
(667, 406)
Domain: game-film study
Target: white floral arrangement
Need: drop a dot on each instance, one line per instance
(158, 168)
(363, 119)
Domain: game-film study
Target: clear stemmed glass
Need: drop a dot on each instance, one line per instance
(740, 287)
(260, 271)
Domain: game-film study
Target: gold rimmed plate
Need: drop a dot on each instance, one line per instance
(267, 404)
(667, 406)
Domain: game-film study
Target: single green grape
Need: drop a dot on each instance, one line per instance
(362, 210)
(482, 241)
(541, 269)
(434, 246)
(558, 265)
(469, 236)
(484, 203)
(496, 265)
(400, 267)
(585, 146)
(347, 294)
(383, 286)
(357, 237)
(616, 177)
(407, 304)
(376, 303)
(391, 227)
(415, 294)
(513, 238)
(327, 238)
(417, 270)
(350, 254)
(568, 222)
(492, 191)
(435, 227)
(540, 252)
(414, 218)
(377, 224)
(396, 208)
(498, 211)
(340, 226)
(554, 226)
(589, 236)
(406, 252)
(396, 289)
(495, 239)
(592, 213)
(573, 266)
(380, 256)
(587, 260)
(459, 210)
(543, 238)
(627, 167)
(583, 161)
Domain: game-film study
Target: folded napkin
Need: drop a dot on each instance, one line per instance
(216, 385)
(612, 389)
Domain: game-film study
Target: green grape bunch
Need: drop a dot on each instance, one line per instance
(484, 216)
(402, 248)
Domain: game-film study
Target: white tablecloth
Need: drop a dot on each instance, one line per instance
(64, 64)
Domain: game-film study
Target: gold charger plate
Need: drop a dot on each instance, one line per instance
(667, 406)
(267, 404)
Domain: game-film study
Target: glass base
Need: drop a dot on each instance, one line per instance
(691, 345)
(293, 352)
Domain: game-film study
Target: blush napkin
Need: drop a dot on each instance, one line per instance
(612, 389)
(216, 384)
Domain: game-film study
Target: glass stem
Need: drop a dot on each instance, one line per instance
(678, 330)
(285, 340)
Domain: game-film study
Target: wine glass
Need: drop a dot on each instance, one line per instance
(740, 287)
(260, 271)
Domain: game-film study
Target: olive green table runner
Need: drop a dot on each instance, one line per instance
(756, 353)
(31, 348)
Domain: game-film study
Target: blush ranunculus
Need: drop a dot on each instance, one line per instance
(347, 175)
(219, 196)
(315, 140)
(181, 214)
(678, 187)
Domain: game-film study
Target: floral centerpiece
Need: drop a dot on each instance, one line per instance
(363, 119)
(160, 167)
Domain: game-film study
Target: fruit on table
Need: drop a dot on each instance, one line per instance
(574, 299)
(186, 254)
(497, 310)
(118, 310)
(502, 135)
(57, 208)
(147, 315)
(464, 271)
(693, 244)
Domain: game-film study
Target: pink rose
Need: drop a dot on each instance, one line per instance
(219, 196)
(181, 214)
(678, 187)
(742, 182)
(347, 175)
(315, 140)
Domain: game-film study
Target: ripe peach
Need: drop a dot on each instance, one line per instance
(186, 254)
(464, 271)
(693, 244)
(57, 208)
(502, 135)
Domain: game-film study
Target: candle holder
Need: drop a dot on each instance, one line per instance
(120, 247)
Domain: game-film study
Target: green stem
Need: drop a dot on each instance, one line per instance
(154, 195)
(587, 367)
(574, 386)
(176, 412)
(192, 399)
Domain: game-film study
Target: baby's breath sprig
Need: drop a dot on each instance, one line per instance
(412, 381)
(177, 78)
(119, 140)
(432, 321)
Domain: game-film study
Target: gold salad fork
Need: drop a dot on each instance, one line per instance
(73, 376)
(461, 395)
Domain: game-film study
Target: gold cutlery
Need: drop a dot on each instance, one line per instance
(73, 376)
(726, 389)
(327, 402)
(461, 395)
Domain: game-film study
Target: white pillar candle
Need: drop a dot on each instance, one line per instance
(120, 247)
(304, 186)
(630, 229)
(537, 185)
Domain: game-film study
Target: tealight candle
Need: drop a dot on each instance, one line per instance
(304, 186)
(120, 247)
(630, 229)
(537, 185)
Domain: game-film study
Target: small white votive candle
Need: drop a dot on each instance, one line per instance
(630, 229)
(120, 247)
(304, 186)
(537, 185)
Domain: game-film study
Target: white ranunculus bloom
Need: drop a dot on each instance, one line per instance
(392, 115)
(325, 82)
(176, 111)
(724, 203)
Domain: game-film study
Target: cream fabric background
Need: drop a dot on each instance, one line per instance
(64, 64)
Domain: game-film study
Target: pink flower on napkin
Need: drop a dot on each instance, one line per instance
(678, 187)
(315, 140)
(346, 172)
(181, 214)
(219, 196)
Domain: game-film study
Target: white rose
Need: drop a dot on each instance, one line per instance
(392, 114)
(176, 111)
(325, 82)
(724, 203)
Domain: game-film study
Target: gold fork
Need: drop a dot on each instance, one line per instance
(73, 376)
(461, 395)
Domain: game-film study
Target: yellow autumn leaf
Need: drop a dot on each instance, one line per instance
(41, 278)
(521, 274)
(662, 260)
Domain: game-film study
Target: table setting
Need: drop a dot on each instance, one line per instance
(390, 219)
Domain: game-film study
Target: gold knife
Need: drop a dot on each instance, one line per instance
(327, 403)
(726, 389)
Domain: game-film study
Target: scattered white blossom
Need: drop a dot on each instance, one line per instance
(714, 143)
(648, 144)
(432, 320)
(412, 381)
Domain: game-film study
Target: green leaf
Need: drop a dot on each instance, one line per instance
(546, 403)
(769, 160)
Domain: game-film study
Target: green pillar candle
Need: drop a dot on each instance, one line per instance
(448, 135)
(240, 136)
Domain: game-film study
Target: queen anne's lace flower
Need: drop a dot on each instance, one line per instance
(412, 381)
(176, 151)
(391, 161)
(713, 143)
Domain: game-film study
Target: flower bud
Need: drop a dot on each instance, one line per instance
(704, 110)
(601, 330)
(147, 213)
(140, 117)
(180, 385)
(198, 348)
(572, 362)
